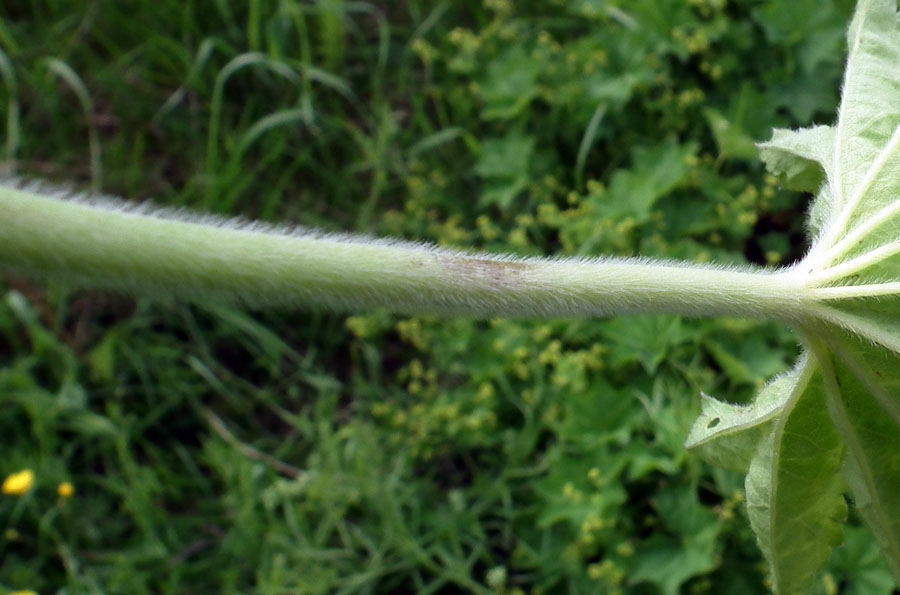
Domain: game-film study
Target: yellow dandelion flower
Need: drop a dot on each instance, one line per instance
(65, 490)
(19, 483)
(25, 592)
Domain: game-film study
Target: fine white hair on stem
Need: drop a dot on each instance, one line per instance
(103, 241)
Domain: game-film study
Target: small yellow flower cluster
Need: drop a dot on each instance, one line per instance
(65, 490)
(465, 39)
(449, 232)
(831, 587)
(501, 7)
(362, 327)
(21, 482)
(727, 510)
(413, 332)
(608, 572)
(420, 381)
(715, 71)
(426, 52)
(695, 42)
(707, 7)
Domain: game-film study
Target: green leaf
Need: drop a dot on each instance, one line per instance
(794, 487)
(745, 358)
(869, 113)
(668, 562)
(863, 381)
(857, 204)
(656, 172)
(728, 435)
(510, 84)
(732, 142)
(681, 511)
(647, 339)
(504, 167)
(792, 454)
(617, 90)
(799, 158)
(853, 273)
(790, 22)
(569, 496)
(860, 566)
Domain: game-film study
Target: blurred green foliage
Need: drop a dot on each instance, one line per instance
(219, 451)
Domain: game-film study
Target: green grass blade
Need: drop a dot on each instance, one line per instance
(12, 111)
(71, 78)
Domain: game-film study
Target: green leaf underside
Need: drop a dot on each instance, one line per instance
(862, 383)
(792, 454)
(863, 187)
(799, 158)
(727, 435)
(845, 398)
(860, 155)
(876, 319)
(859, 244)
(794, 487)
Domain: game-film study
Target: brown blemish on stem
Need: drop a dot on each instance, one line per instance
(495, 273)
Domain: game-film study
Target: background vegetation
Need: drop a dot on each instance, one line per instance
(213, 450)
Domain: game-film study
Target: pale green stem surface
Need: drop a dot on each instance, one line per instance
(114, 246)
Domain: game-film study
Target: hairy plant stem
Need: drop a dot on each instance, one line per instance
(113, 245)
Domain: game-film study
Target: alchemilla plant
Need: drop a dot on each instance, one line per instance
(827, 429)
